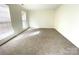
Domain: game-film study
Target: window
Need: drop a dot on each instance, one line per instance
(24, 20)
(5, 22)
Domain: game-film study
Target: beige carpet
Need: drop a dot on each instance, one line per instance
(39, 42)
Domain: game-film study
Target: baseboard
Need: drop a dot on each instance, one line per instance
(66, 38)
(7, 39)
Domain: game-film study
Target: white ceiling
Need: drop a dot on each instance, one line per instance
(40, 6)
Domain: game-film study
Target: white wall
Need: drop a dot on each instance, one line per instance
(67, 22)
(41, 18)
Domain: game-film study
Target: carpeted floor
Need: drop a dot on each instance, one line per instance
(39, 42)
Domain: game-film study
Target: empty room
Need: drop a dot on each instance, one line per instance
(39, 29)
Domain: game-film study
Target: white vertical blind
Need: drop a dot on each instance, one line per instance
(5, 22)
(24, 22)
